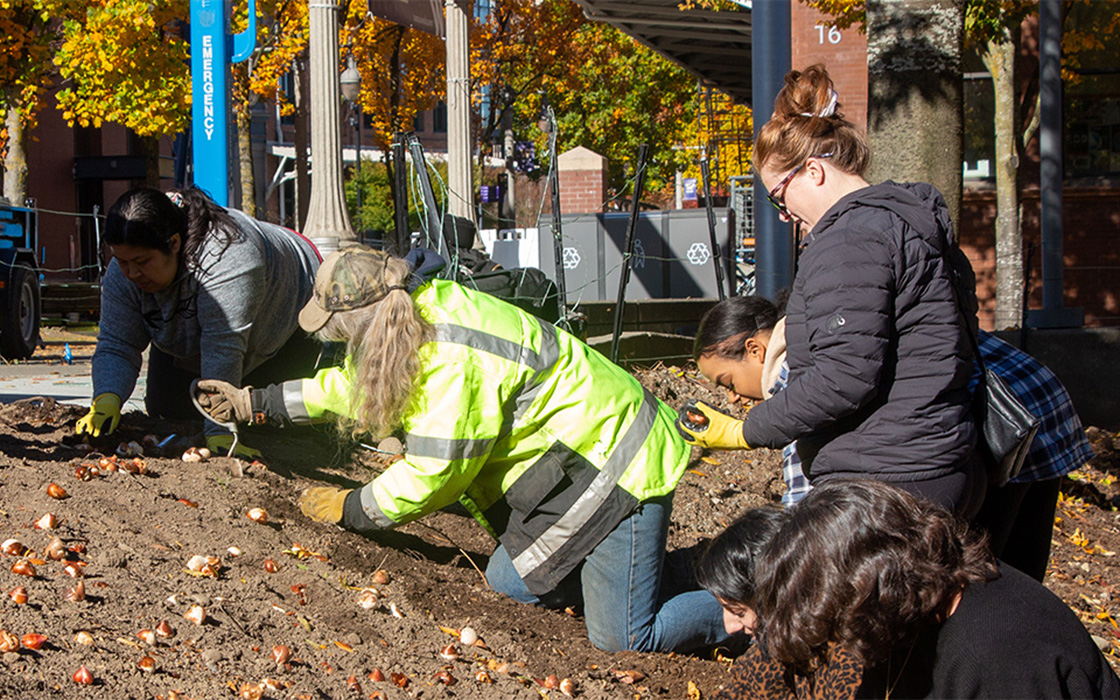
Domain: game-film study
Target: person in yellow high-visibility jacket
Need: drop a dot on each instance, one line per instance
(559, 453)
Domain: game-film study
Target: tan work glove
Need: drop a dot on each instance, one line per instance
(700, 424)
(224, 402)
(219, 445)
(323, 504)
(105, 408)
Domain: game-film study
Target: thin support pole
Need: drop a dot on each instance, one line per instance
(631, 227)
(557, 228)
(400, 196)
(705, 175)
(434, 224)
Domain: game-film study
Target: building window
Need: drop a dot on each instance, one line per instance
(439, 118)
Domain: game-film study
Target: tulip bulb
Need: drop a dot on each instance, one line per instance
(23, 568)
(56, 492)
(234, 552)
(381, 577)
(197, 614)
(258, 515)
(19, 595)
(281, 654)
(251, 691)
(192, 456)
(82, 676)
(78, 593)
(468, 636)
(47, 522)
(12, 547)
(8, 642)
(271, 566)
(567, 687)
(164, 630)
(148, 637)
(449, 653)
(84, 637)
(33, 641)
(367, 598)
(376, 675)
(147, 664)
(55, 550)
(196, 562)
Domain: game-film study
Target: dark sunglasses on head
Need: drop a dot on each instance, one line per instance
(779, 202)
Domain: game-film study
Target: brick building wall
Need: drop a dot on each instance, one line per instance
(842, 51)
(1091, 224)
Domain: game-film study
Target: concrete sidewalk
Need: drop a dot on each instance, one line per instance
(64, 383)
(46, 374)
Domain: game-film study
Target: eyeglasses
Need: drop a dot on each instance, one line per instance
(779, 202)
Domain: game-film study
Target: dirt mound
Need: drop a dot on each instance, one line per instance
(298, 584)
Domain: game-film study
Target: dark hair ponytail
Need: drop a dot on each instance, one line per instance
(725, 326)
(147, 218)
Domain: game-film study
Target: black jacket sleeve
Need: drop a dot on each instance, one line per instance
(847, 284)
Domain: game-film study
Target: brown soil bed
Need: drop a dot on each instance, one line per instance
(137, 533)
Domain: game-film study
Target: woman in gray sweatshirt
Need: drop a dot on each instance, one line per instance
(215, 293)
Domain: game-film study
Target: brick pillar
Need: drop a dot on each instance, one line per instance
(843, 53)
(583, 181)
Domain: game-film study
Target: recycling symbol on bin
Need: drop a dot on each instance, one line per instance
(570, 258)
(698, 254)
(639, 257)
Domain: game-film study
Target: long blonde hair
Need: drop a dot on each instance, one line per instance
(383, 341)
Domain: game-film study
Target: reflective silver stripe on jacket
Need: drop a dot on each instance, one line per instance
(372, 510)
(293, 401)
(590, 500)
(540, 362)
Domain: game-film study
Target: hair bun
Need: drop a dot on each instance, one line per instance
(828, 110)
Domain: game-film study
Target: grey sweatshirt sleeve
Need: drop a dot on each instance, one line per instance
(122, 337)
(231, 292)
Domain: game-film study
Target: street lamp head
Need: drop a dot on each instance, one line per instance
(350, 81)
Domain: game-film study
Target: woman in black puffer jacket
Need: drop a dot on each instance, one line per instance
(879, 359)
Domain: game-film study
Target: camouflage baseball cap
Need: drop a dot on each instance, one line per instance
(348, 279)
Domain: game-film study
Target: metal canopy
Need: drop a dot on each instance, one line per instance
(713, 46)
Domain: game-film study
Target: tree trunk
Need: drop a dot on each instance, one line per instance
(248, 202)
(149, 148)
(303, 180)
(915, 93)
(999, 58)
(15, 162)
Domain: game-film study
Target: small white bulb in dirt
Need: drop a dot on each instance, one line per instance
(258, 515)
(367, 598)
(12, 547)
(193, 455)
(48, 522)
(468, 636)
(234, 552)
(196, 562)
(197, 614)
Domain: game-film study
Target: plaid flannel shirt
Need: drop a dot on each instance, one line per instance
(1059, 447)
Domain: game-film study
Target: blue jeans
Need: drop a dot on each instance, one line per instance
(619, 587)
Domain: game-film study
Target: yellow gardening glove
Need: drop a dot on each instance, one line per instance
(700, 424)
(219, 445)
(105, 408)
(323, 504)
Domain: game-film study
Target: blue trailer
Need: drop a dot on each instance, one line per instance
(20, 312)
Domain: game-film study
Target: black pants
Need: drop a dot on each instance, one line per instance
(168, 394)
(1019, 519)
(961, 493)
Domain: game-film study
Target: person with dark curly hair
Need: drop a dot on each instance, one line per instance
(214, 294)
(918, 600)
(726, 570)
